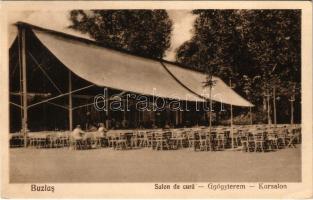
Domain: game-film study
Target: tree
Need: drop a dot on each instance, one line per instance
(259, 49)
(143, 32)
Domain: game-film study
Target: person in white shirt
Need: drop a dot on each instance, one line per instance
(78, 133)
(102, 130)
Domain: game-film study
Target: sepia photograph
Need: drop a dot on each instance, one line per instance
(155, 96)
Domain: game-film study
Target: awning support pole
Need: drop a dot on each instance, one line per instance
(292, 100)
(231, 121)
(210, 117)
(22, 58)
(107, 107)
(70, 103)
(250, 111)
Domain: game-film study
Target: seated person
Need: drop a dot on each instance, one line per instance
(154, 126)
(167, 125)
(117, 125)
(92, 128)
(125, 124)
(102, 130)
(78, 133)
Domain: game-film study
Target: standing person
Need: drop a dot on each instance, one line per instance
(102, 133)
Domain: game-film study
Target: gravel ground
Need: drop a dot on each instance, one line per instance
(146, 165)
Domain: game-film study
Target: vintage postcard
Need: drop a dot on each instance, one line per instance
(169, 99)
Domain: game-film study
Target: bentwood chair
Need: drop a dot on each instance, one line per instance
(135, 139)
(76, 143)
(271, 139)
(191, 138)
(202, 141)
(150, 138)
(244, 140)
(259, 141)
(37, 141)
(281, 137)
(121, 142)
(178, 139)
(220, 140)
(63, 139)
(161, 141)
(142, 139)
(17, 141)
(234, 137)
(112, 138)
(293, 136)
(51, 141)
(145, 140)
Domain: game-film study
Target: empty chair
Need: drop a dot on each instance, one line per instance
(143, 140)
(135, 139)
(121, 142)
(112, 140)
(244, 140)
(51, 141)
(271, 139)
(281, 137)
(161, 141)
(37, 141)
(178, 139)
(203, 142)
(259, 141)
(235, 137)
(220, 140)
(191, 138)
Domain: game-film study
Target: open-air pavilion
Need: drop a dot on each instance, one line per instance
(65, 73)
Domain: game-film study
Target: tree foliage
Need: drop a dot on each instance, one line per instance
(258, 49)
(144, 32)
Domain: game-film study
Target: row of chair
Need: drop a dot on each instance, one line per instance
(247, 138)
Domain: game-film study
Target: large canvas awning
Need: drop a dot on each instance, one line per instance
(120, 70)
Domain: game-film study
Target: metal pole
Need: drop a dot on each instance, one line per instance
(70, 103)
(22, 57)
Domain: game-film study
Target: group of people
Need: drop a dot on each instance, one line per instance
(79, 134)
